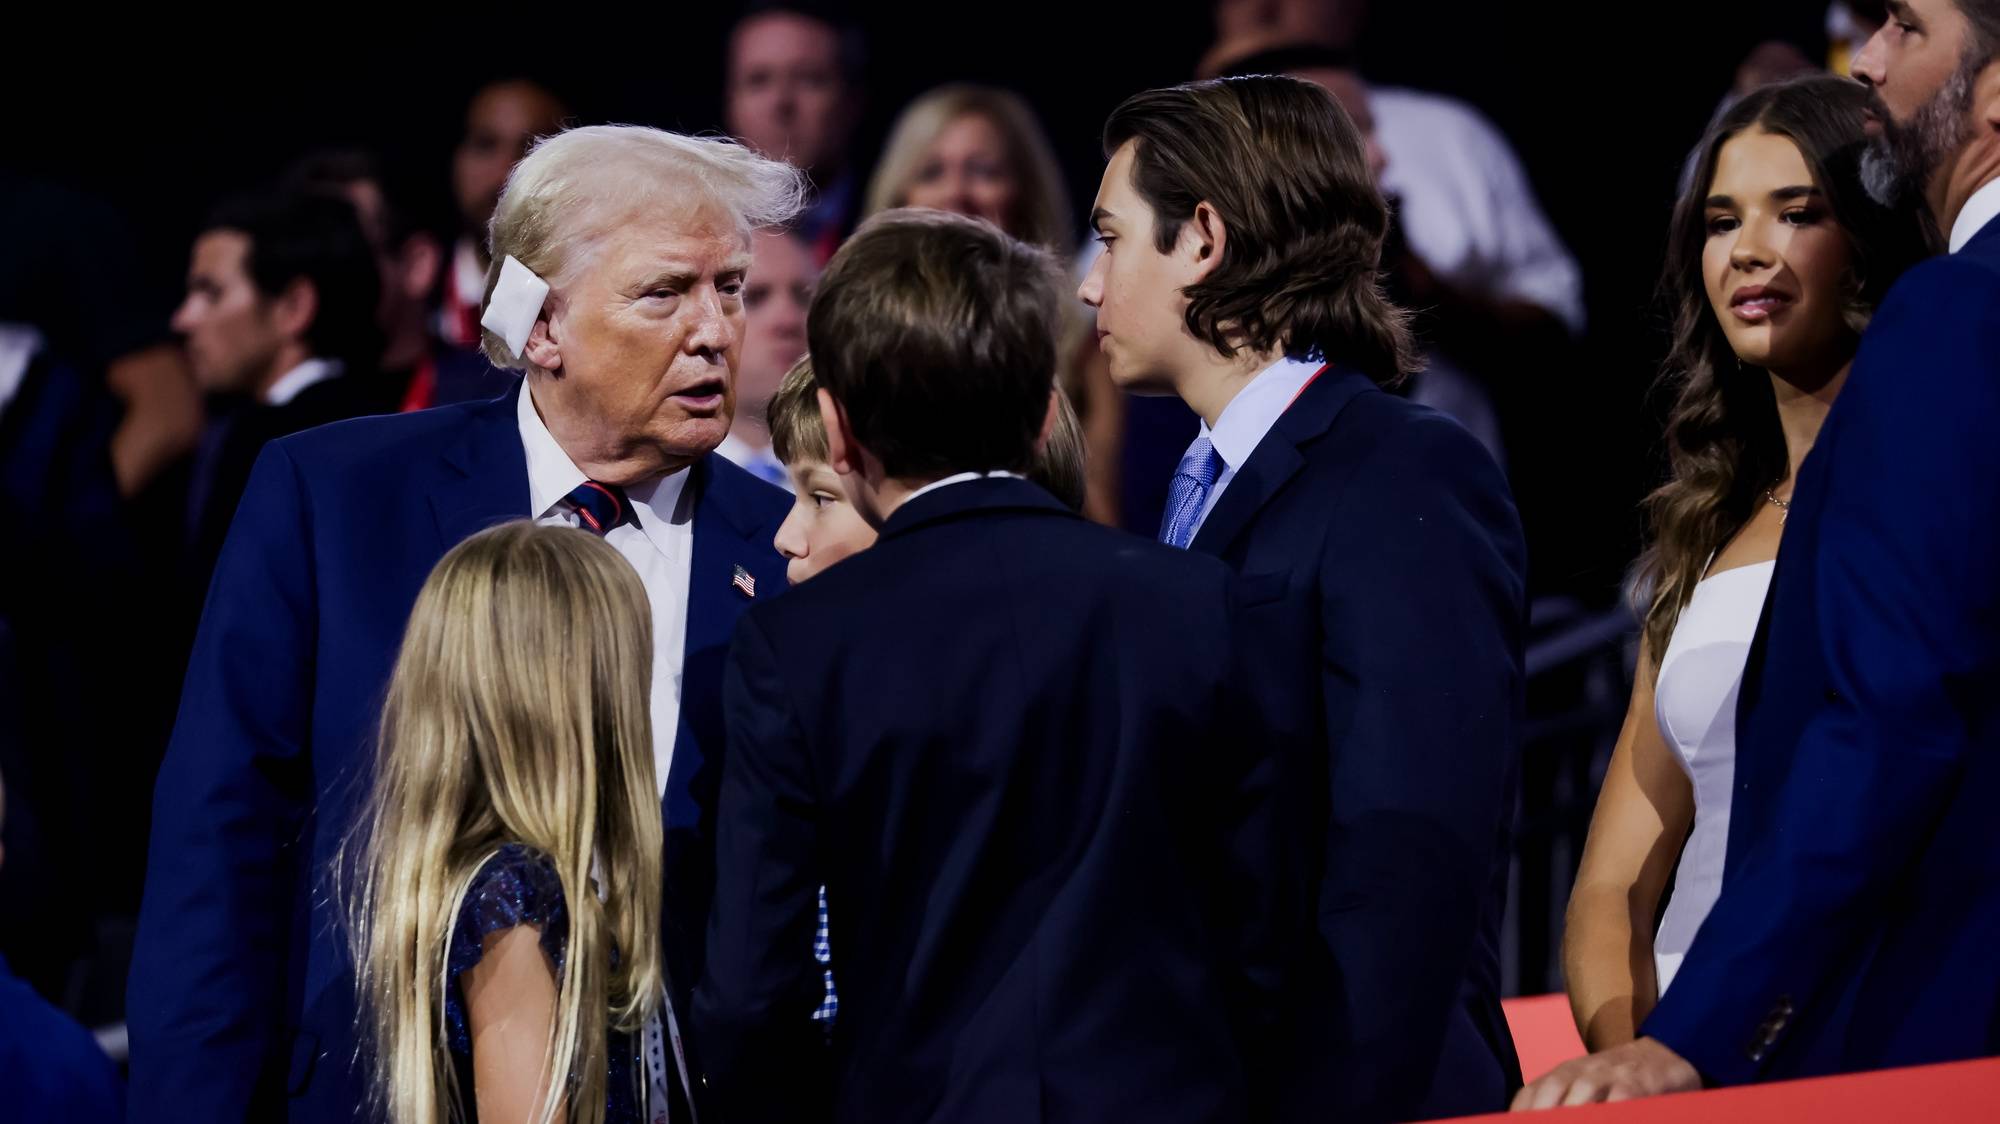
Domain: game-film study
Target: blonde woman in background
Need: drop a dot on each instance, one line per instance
(979, 151)
(505, 876)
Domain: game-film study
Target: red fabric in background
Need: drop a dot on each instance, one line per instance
(1545, 1037)
(1544, 1032)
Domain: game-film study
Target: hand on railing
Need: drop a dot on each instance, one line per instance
(1642, 1068)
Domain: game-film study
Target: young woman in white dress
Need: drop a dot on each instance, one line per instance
(1776, 257)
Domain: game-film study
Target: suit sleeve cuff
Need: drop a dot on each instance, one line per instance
(1707, 1040)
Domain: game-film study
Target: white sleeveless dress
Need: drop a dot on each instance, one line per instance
(1695, 703)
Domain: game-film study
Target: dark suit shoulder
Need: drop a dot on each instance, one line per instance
(1939, 325)
(1416, 491)
(1402, 429)
(1978, 265)
(1387, 449)
(1129, 556)
(1129, 569)
(335, 399)
(1052, 546)
(351, 395)
(367, 441)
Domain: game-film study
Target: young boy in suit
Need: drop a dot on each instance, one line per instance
(1243, 234)
(1008, 742)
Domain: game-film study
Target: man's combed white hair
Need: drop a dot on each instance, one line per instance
(578, 186)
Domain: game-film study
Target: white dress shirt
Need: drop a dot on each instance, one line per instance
(1982, 208)
(468, 277)
(1468, 209)
(457, 321)
(18, 345)
(1248, 417)
(660, 547)
(294, 382)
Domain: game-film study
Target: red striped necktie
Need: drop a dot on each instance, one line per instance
(599, 507)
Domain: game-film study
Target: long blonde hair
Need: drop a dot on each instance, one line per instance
(1042, 214)
(518, 713)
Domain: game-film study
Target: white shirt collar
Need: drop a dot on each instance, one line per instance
(1982, 208)
(18, 345)
(1256, 408)
(960, 478)
(468, 277)
(552, 476)
(293, 382)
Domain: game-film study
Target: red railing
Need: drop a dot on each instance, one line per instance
(1958, 1091)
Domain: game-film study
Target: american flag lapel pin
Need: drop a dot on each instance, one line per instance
(744, 583)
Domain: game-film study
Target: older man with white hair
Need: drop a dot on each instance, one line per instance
(620, 255)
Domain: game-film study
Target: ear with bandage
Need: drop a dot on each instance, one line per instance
(515, 304)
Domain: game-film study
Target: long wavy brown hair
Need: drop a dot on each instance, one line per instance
(1724, 444)
(1285, 166)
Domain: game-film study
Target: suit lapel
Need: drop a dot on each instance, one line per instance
(729, 532)
(723, 532)
(1274, 461)
(488, 483)
(1797, 545)
(727, 536)
(1277, 458)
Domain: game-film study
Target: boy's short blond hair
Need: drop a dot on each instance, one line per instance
(1058, 465)
(796, 433)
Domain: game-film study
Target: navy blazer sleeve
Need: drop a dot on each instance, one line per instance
(1255, 893)
(207, 994)
(1907, 597)
(1422, 592)
(753, 1008)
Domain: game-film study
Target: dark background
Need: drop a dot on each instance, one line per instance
(162, 116)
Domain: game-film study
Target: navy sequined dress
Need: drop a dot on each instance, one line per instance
(518, 886)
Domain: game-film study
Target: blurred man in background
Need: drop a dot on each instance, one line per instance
(794, 93)
(774, 337)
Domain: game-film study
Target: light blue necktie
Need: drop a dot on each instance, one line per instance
(1189, 491)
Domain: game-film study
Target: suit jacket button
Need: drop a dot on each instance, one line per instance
(1832, 695)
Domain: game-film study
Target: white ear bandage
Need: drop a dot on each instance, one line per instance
(515, 304)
